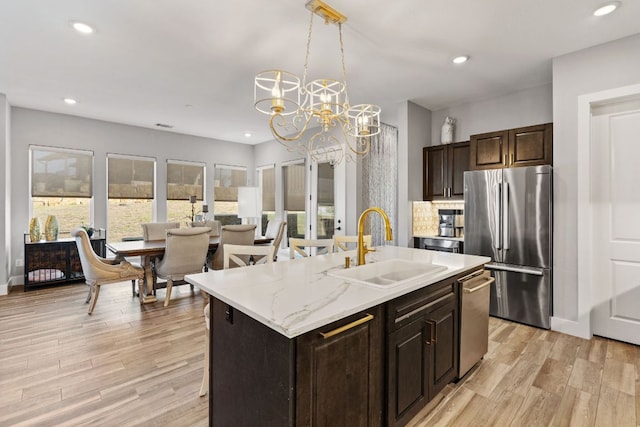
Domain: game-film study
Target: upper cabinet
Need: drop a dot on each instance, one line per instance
(527, 146)
(443, 171)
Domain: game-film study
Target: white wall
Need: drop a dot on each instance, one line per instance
(603, 67)
(5, 193)
(414, 133)
(59, 130)
(419, 133)
(523, 108)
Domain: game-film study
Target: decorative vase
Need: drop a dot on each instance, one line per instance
(51, 228)
(34, 230)
(447, 130)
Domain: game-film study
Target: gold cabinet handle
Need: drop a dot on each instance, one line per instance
(511, 158)
(346, 327)
(480, 286)
(505, 160)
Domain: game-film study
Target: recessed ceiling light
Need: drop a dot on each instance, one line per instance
(247, 134)
(81, 27)
(70, 101)
(460, 59)
(606, 8)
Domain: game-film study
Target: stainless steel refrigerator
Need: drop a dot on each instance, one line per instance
(508, 217)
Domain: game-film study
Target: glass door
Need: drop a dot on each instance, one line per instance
(327, 188)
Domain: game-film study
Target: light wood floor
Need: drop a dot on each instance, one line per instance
(532, 377)
(132, 365)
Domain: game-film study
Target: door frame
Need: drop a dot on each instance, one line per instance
(582, 325)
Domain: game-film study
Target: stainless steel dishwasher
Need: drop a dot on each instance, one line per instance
(474, 319)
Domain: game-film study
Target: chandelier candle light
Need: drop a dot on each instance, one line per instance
(294, 104)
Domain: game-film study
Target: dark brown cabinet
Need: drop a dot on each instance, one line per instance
(330, 376)
(421, 349)
(50, 263)
(443, 171)
(339, 373)
(526, 146)
(378, 367)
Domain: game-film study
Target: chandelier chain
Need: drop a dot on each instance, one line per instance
(306, 57)
(344, 68)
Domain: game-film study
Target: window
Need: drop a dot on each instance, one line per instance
(227, 180)
(130, 195)
(185, 180)
(267, 184)
(294, 179)
(61, 185)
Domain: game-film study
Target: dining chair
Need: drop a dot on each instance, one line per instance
(213, 224)
(185, 253)
(100, 271)
(296, 246)
(342, 242)
(232, 253)
(156, 231)
(240, 234)
(241, 255)
(275, 230)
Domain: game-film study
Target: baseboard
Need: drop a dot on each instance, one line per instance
(570, 327)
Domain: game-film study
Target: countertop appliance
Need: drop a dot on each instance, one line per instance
(439, 244)
(508, 216)
(450, 222)
(474, 319)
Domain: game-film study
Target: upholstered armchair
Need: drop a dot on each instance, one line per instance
(243, 234)
(100, 271)
(157, 230)
(213, 224)
(185, 253)
(276, 230)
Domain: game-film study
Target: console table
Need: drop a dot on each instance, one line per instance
(56, 262)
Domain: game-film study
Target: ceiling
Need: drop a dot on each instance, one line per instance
(191, 63)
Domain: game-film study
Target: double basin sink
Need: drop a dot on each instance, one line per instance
(388, 273)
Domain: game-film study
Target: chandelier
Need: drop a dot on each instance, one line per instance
(337, 130)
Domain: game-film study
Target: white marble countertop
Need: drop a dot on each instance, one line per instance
(457, 239)
(295, 297)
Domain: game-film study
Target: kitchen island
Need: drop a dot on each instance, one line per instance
(292, 344)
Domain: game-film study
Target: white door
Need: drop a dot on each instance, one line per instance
(615, 204)
(327, 200)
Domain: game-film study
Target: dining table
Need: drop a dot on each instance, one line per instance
(149, 249)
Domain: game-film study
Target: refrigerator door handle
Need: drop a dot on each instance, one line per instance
(514, 269)
(505, 216)
(497, 216)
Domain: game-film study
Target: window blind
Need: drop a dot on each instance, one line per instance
(130, 177)
(294, 187)
(184, 180)
(227, 180)
(269, 189)
(58, 172)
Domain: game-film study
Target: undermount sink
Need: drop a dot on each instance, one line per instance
(387, 273)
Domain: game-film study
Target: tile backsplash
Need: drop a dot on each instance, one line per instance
(425, 216)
